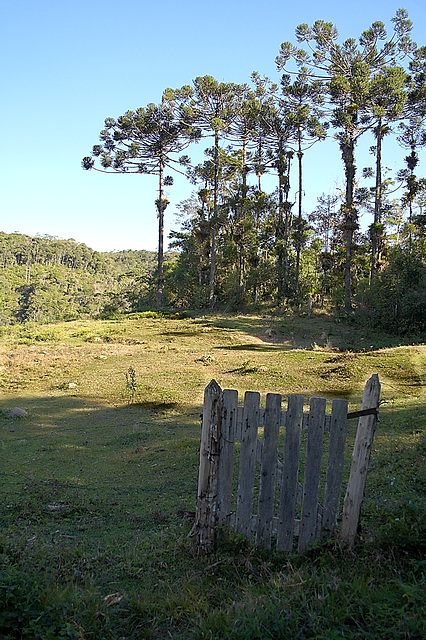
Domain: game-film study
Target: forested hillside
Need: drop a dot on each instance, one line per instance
(46, 279)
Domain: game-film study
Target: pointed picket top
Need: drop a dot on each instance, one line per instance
(213, 388)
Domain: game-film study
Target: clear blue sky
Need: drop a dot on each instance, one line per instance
(66, 65)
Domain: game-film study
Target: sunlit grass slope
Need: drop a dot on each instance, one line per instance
(97, 482)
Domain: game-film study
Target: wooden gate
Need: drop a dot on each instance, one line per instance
(293, 499)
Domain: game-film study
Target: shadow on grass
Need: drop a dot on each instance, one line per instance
(91, 495)
(347, 394)
(183, 333)
(134, 460)
(255, 347)
(235, 323)
(71, 410)
(155, 407)
(308, 332)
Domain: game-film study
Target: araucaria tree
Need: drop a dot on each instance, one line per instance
(387, 101)
(144, 141)
(240, 245)
(347, 71)
(211, 106)
(303, 101)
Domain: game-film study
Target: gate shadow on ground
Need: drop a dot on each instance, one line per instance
(143, 458)
(249, 346)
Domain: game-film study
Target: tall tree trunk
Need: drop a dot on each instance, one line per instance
(284, 223)
(161, 207)
(200, 256)
(375, 249)
(212, 267)
(241, 284)
(288, 225)
(200, 273)
(215, 220)
(280, 237)
(351, 221)
(299, 217)
(412, 161)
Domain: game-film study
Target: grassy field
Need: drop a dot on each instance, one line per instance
(96, 483)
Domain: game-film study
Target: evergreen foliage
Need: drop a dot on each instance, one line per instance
(255, 249)
(237, 246)
(45, 279)
(396, 299)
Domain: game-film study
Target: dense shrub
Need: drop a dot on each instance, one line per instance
(396, 299)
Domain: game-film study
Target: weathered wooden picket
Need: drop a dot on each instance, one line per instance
(287, 506)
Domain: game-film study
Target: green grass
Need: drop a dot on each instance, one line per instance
(96, 483)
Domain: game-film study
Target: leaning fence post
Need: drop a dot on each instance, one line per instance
(360, 461)
(205, 526)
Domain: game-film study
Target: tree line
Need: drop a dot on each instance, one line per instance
(239, 245)
(47, 279)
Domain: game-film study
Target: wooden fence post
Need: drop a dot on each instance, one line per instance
(335, 459)
(268, 469)
(360, 461)
(228, 427)
(290, 473)
(311, 483)
(243, 520)
(206, 514)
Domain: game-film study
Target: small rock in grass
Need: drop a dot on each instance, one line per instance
(113, 598)
(16, 413)
(72, 385)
